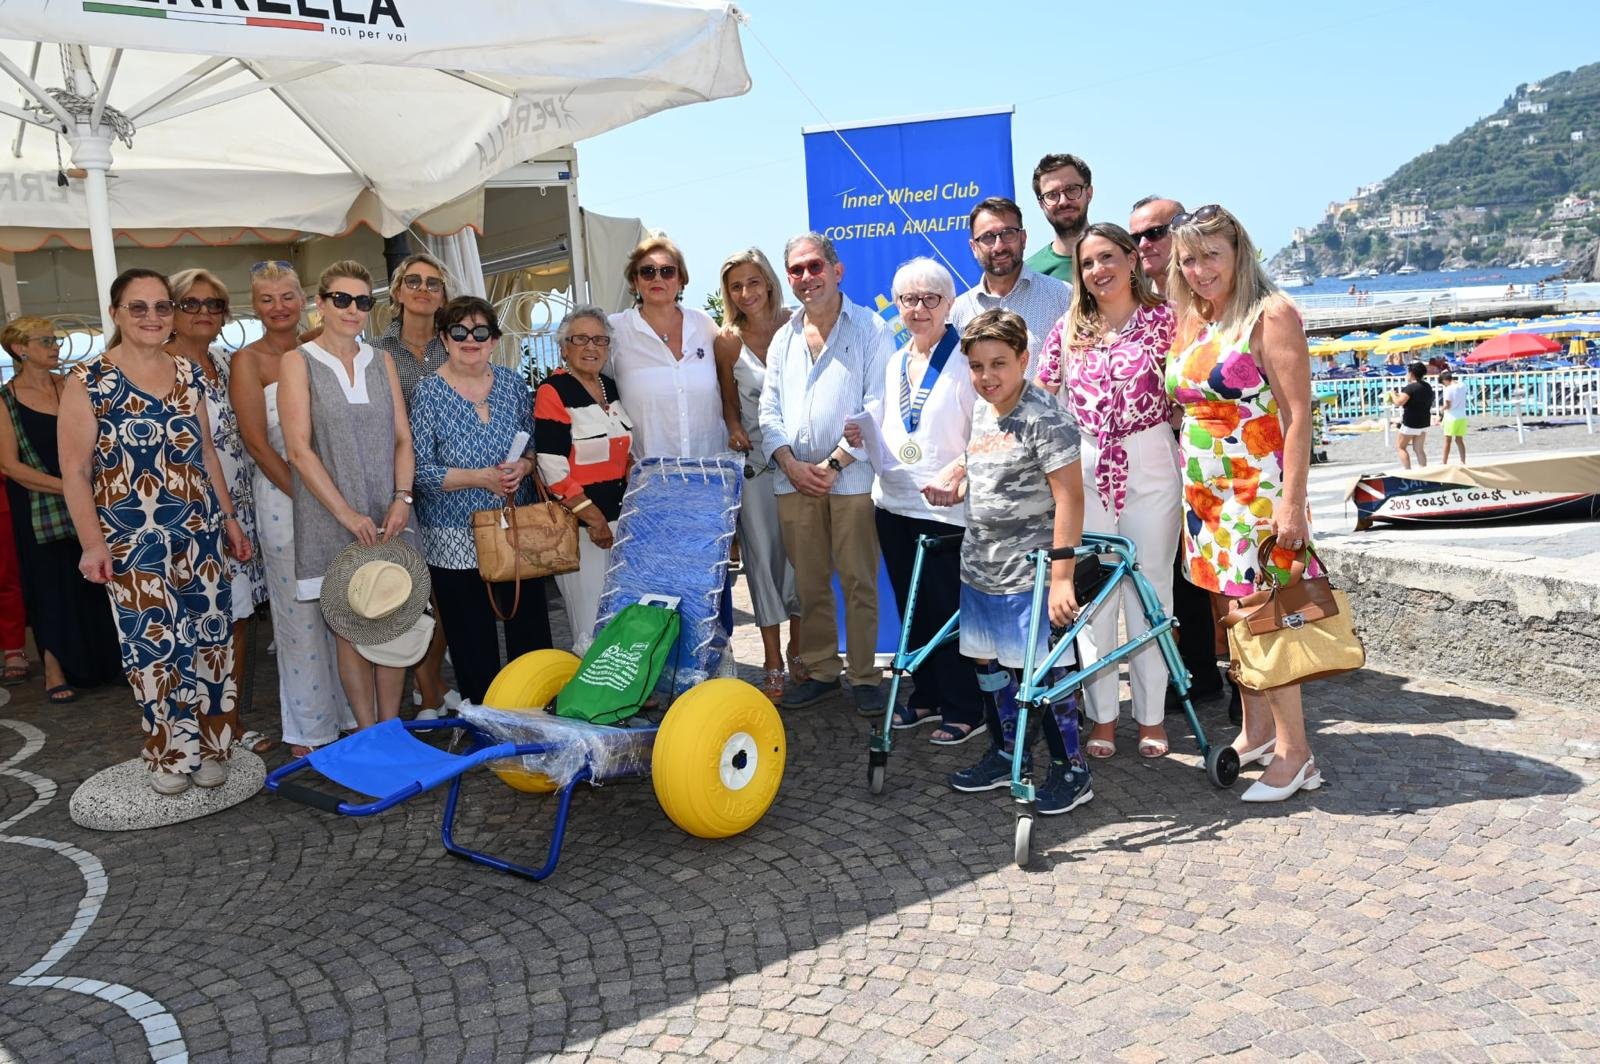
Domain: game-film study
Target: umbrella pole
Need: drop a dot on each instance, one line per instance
(92, 153)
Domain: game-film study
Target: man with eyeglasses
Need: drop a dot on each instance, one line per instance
(824, 364)
(997, 243)
(1062, 185)
(1150, 225)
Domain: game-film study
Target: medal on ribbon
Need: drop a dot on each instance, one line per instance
(911, 406)
(910, 453)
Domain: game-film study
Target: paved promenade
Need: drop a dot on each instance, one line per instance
(1438, 900)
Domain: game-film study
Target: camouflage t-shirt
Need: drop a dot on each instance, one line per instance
(1010, 510)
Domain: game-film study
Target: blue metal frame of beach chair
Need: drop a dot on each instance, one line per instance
(907, 661)
(1036, 692)
(484, 749)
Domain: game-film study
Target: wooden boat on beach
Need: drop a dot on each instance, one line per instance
(1562, 487)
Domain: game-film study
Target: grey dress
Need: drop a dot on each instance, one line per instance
(766, 567)
(352, 432)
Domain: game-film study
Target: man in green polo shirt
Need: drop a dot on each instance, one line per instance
(1061, 183)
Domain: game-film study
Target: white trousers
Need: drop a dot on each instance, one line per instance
(580, 591)
(1151, 516)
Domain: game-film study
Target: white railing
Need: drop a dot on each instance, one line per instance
(1548, 393)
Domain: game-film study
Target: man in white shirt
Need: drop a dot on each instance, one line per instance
(826, 363)
(997, 242)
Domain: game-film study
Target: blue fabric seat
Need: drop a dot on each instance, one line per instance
(385, 760)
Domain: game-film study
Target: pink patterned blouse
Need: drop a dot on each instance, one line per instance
(1114, 390)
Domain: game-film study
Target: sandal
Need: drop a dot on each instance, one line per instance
(772, 686)
(1150, 746)
(1100, 749)
(17, 668)
(302, 751)
(799, 672)
(954, 733)
(256, 743)
(61, 694)
(908, 717)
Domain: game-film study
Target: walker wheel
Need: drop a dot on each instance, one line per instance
(1222, 765)
(1022, 848)
(875, 775)
(718, 758)
(528, 685)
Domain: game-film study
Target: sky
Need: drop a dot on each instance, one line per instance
(1272, 109)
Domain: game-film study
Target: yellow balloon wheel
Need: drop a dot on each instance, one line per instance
(529, 684)
(718, 758)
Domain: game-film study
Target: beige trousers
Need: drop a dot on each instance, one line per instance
(822, 536)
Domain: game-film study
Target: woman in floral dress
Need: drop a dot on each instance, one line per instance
(1240, 369)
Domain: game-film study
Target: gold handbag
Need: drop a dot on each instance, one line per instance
(525, 542)
(1299, 651)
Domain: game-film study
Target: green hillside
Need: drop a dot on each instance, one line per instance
(1512, 187)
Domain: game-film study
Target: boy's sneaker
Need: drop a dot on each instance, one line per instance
(991, 772)
(1065, 788)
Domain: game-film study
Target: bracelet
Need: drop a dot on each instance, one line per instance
(582, 506)
(229, 515)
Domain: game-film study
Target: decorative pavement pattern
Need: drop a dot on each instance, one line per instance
(1438, 900)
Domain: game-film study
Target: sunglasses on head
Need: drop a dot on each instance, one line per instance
(650, 273)
(1203, 214)
(415, 281)
(162, 307)
(459, 333)
(268, 264)
(191, 305)
(1152, 234)
(814, 267)
(342, 300)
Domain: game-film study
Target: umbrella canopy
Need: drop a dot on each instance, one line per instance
(1467, 331)
(1566, 325)
(1511, 345)
(211, 118)
(1403, 340)
(1360, 340)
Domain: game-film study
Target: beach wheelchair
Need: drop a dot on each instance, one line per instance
(1098, 584)
(715, 758)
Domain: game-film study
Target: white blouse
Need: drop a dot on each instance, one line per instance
(675, 403)
(941, 436)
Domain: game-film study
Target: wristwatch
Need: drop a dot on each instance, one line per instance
(403, 495)
(834, 464)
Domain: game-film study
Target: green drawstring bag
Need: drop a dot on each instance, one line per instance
(622, 666)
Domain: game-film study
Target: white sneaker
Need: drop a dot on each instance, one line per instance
(211, 773)
(452, 700)
(169, 783)
(428, 714)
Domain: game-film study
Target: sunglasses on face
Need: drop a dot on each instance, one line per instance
(194, 306)
(415, 281)
(814, 267)
(342, 300)
(48, 341)
(1008, 234)
(162, 307)
(1066, 193)
(581, 340)
(1203, 214)
(270, 263)
(650, 273)
(925, 299)
(459, 333)
(1152, 234)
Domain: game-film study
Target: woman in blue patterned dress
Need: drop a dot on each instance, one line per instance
(151, 508)
(464, 419)
(202, 307)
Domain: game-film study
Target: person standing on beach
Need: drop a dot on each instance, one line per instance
(1062, 185)
(997, 242)
(1415, 401)
(1453, 415)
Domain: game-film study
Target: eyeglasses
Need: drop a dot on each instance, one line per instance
(1152, 234)
(268, 264)
(1195, 217)
(415, 281)
(192, 305)
(925, 299)
(650, 273)
(162, 307)
(584, 340)
(990, 239)
(814, 267)
(342, 300)
(1066, 193)
(48, 341)
(459, 333)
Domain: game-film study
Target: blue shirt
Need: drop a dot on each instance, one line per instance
(804, 402)
(447, 434)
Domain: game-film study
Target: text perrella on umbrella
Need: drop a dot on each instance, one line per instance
(301, 107)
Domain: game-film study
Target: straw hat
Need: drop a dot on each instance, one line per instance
(375, 594)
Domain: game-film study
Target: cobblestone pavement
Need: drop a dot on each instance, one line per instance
(1439, 900)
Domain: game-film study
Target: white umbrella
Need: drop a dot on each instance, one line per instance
(283, 114)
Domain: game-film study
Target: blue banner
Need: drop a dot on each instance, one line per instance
(933, 171)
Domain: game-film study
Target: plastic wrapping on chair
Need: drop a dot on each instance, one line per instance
(608, 753)
(673, 537)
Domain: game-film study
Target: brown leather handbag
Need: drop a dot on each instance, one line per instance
(1302, 631)
(517, 543)
(1289, 605)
